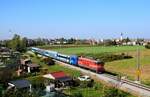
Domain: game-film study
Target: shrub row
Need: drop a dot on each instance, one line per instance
(107, 57)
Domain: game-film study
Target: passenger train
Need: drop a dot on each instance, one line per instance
(83, 62)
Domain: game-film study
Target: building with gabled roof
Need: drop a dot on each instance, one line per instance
(60, 78)
(19, 84)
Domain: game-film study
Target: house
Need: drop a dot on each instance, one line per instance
(32, 68)
(60, 78)
(25, 61)
(5, 54)
(27, 65)
(4, 49)
(19, 84)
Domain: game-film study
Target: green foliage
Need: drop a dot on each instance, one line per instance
(146, 82)
(107, 57)
(71, 41)
(30, 54)
(40, 42)
(113, 92)
(20, 93)
(6, 75)
(1, 90)
(99, 90)
(147, 46)
(109, 42)
(77, 94)
(48, 61)
(37, 82)
(17, 43)
(98, 86)
(139, 41)
(85, 84)
(126, 40)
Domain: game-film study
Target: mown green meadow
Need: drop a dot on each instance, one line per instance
(96, 49)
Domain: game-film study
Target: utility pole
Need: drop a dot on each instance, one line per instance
(138, 65)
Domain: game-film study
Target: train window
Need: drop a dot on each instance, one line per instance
(63, 56)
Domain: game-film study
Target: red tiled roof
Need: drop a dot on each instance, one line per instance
(59, 74)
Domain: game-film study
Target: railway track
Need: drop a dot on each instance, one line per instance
(122, 81)
(136, 84)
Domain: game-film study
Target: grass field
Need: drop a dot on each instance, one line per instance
(96, 49)
(126, 67)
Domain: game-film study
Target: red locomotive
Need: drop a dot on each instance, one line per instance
(91, 64)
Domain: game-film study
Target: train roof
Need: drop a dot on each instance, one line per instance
(91, 59)
(51, 51)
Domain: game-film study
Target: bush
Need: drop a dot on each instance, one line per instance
(44, 71)
(107, 57)
(77, 94)
(37, 82)
(147, 46)
(90, 83)
(6, 75)
(76, 83)
(98, 86)
(113, 92)
(20, 93)
(85, 84)
(48, 61)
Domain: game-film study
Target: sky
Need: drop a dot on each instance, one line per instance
(75, 18)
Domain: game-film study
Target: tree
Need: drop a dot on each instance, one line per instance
(139, 41)
(3, 73)
(23, 44)
(40, 42)
(147, 45)
(71, 41)
(126, 40)
(109, 42)
(48, 61)
(25, 41)
(62, 40)
(17, 44)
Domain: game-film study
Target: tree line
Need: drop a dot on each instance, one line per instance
(17, 43)
(20, 44)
